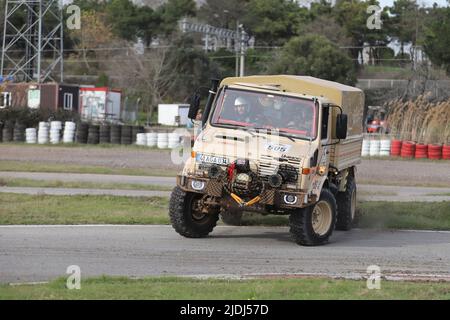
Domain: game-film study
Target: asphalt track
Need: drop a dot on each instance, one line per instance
(41, 253)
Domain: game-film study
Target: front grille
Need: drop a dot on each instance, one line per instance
(268, 165)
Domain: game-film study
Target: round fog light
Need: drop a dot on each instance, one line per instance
(197, 185)
(290, 199)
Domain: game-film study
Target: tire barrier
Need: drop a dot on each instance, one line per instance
(82, 132)
(135, 130)
(434, 151)
(19, 132)
(126, 135)
(152, 139)
(173, 140)
(43, 132)
(374, 150)
(93, 134)
(385, 148)
(104, 134)
(421, 151)
(30, 135)
(365, 148)
(55, 132)
(408, 149)
(116, 133)
(396, 147)
(446, 152)
(8, 131)
(163, 140)
(141, 139)
(69, 132)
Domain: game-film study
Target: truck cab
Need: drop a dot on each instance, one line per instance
(273, 145)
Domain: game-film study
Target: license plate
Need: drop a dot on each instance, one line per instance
(211, 159)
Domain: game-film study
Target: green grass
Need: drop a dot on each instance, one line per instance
(47, 209)
(188, 288)
(445, 194)
(6, 165)
(13, 182)
(405, 215)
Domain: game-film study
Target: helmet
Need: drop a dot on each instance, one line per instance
(240, 101)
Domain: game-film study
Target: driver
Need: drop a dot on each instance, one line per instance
(241, 110)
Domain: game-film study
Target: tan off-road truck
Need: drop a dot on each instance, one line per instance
(283, 145)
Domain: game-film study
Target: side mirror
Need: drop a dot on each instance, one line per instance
(341, 126)
(194, 106)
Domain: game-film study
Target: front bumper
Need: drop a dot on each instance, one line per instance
(270, 196)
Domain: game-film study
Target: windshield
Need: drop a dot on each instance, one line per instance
(249, 109)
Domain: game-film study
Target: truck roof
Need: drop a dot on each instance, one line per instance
(351, 99)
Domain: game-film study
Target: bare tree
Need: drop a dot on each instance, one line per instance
(149, 76)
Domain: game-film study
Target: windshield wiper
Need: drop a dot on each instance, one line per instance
(236, 127)
(269, 131)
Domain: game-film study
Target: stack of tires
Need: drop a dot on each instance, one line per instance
(174, 140)
(126, 135)
(152, 139)
(421, 151)
(93, 134)
(408, 149)
(30, 135)
(8, 131)
(69, 132)
(374, 148)
(135, 130)
(105, 134)
(385, 148)
(163, 140)
(43, 133)
(116, 134)
(434, 151)
(55, 131)
(19, 132)
(446, 152)
(396, 147)
(82, 132)
(141, 139)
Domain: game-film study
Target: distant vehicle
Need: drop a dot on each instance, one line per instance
(375, 120)
(273, 144)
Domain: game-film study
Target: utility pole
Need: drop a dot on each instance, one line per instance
(26, 41)
(240, 38)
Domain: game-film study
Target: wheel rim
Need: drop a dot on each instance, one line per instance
(321, 218)
(353, 204)
(196, 212)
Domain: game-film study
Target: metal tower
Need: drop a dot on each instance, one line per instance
(32, 47)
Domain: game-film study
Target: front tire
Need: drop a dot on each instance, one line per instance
(186, 217)
(313, 225)
(346, 205)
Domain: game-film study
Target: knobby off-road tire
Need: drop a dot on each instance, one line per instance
(231, 218)
(346, 205)
(183, 217)
(304, 226)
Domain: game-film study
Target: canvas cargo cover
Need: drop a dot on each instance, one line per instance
(351, 99)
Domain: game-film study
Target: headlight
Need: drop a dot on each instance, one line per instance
(197, 185)
(290, 199)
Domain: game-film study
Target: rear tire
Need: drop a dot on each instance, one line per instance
(232, 218)
(313, 225)
(346, 205)
(185, 219)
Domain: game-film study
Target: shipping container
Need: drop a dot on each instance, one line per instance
(101, 104)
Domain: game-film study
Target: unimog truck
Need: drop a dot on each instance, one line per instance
(283, 145)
